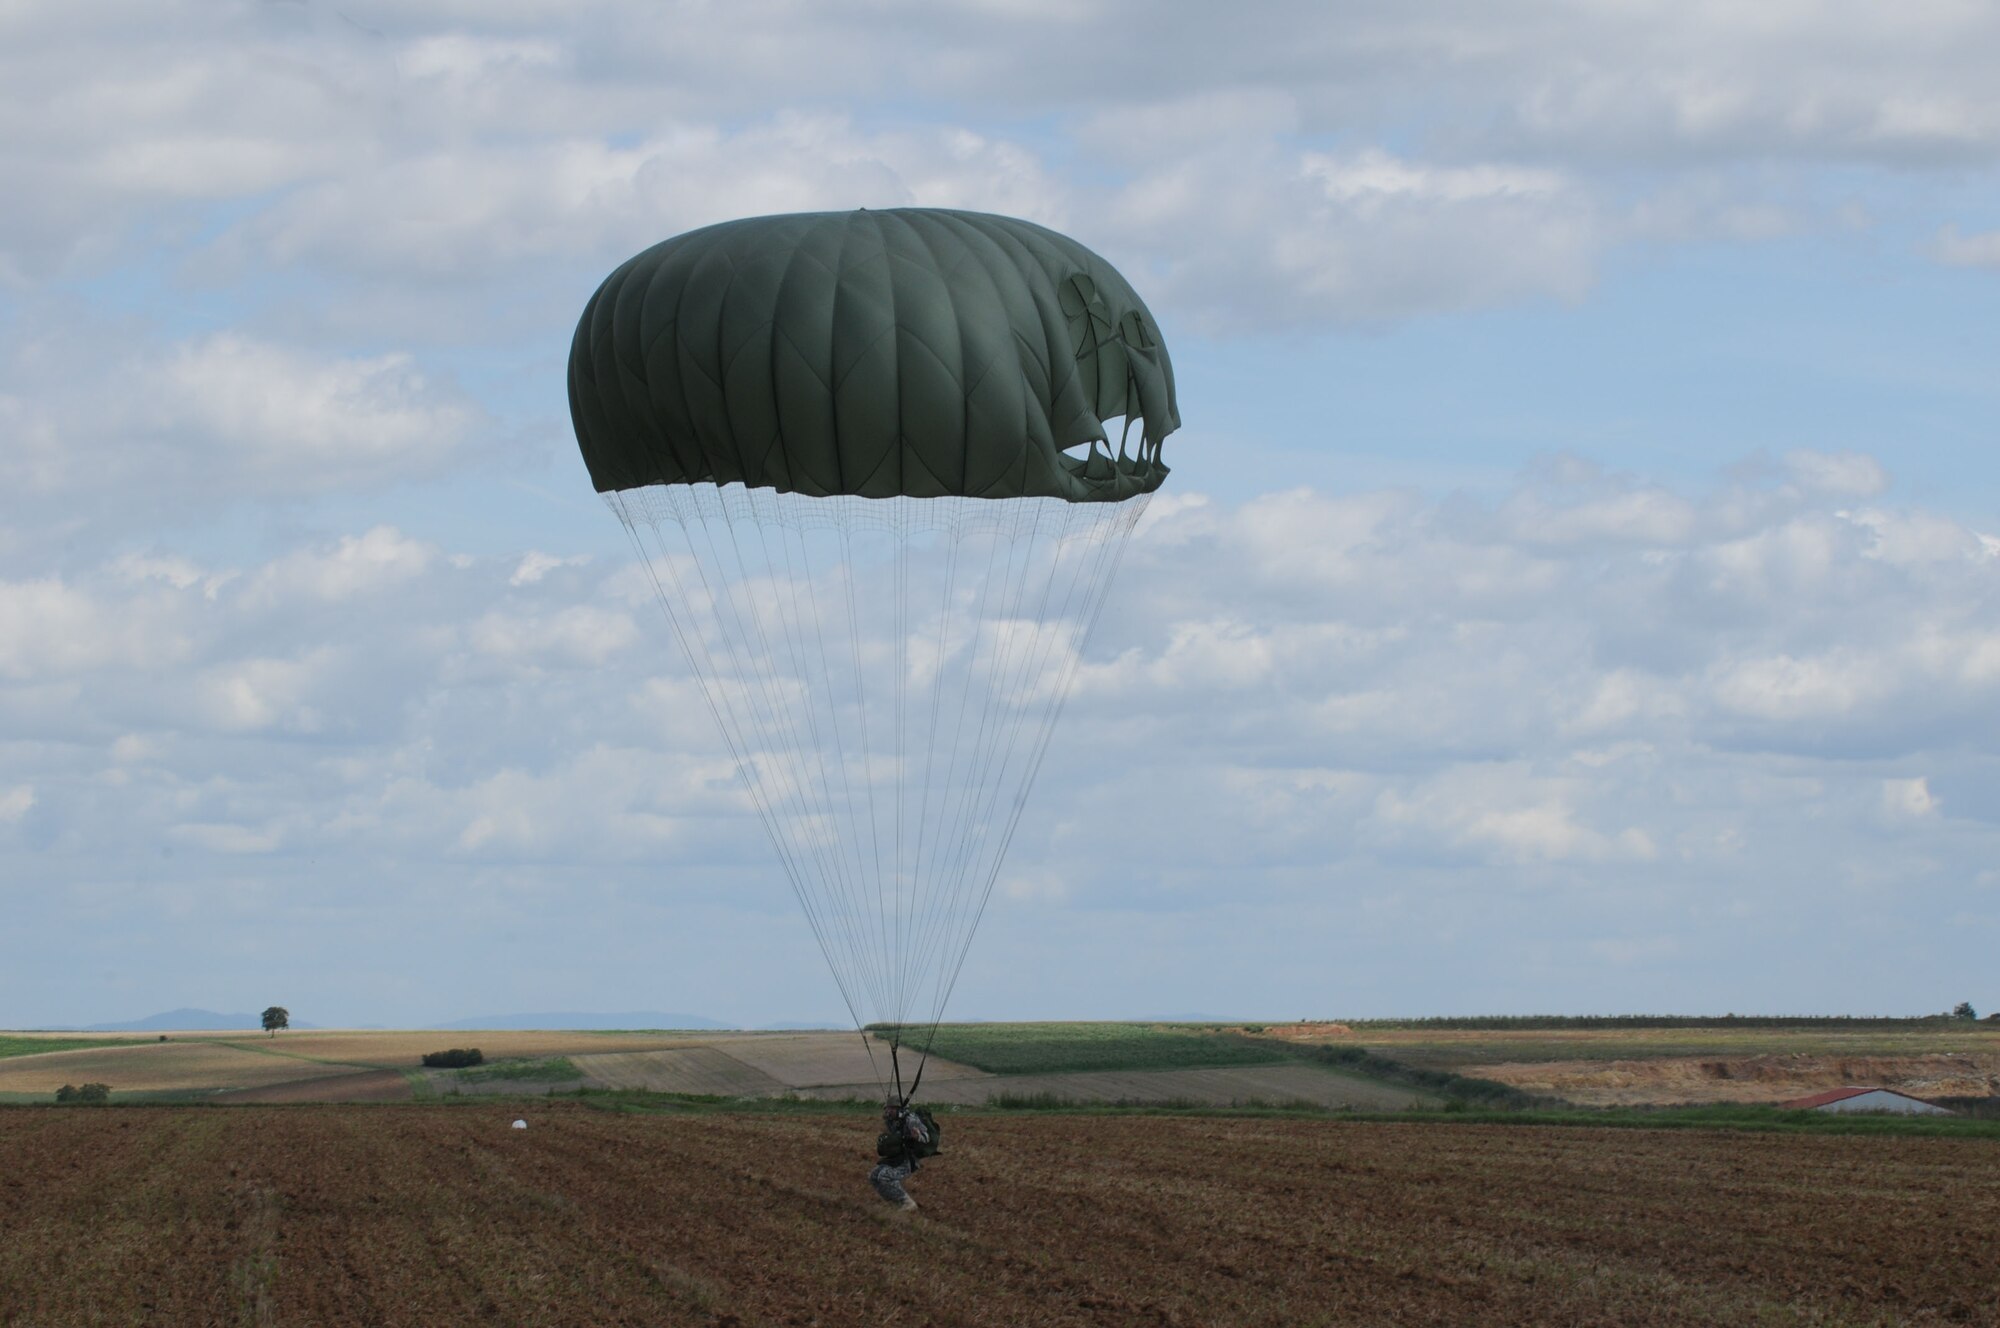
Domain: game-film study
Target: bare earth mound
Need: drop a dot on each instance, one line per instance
(1771, 1078)
(421, 1216)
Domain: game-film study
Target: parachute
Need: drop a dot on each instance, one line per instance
(863, 459)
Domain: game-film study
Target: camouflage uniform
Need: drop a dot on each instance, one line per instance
(888, 1178)
(897, 1149)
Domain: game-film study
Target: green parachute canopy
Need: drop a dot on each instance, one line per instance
(863, 457)
(912, 352)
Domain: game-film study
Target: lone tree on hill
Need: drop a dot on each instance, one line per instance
(1964, 1010)
(275, 1018)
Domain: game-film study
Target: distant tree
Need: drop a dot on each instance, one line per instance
(93, 1093)
(67, 1093)
(275, 1018)
(1964, 1010)
(456, 1058)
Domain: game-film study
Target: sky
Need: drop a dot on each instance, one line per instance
(1577, 590)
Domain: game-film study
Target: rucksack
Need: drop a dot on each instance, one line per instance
(906, 1142)
(928, 1146)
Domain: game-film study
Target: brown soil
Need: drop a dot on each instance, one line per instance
(1765, 1079)
(413, 1215)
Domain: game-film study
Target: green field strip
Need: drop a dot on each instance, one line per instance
(1080, 1047)
(36, 1046)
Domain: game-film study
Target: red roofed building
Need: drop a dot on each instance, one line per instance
(1865, 1099)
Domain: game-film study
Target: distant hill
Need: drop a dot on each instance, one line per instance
(574, 1020)
(205, 1021)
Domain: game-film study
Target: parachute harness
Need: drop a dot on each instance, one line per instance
(886, 674)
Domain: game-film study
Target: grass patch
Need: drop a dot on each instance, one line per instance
(11, 1045)
(1458, 1090)
(549, 1070)
(1075, 1048)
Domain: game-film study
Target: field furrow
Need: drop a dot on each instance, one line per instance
(410, 1215)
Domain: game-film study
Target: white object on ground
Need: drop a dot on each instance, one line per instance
(520, 1125)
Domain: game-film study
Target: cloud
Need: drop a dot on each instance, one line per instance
(418, 164)
(16, 801)
(1840, 473)
(1256, 236)
(1412, 708)
(353, 565)
(462, 212)
(1956, 248)
(1909, 797)
(1441, 682)
(107, 429)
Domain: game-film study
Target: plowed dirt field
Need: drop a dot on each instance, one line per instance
(443, 1215)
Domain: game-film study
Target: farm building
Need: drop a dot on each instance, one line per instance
(1866, 1099)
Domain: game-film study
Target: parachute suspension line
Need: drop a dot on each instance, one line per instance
(990, 630)
(762, 665)
(897, 891)
(1017, 670)
(682, 634)
(956, 737)
(998, 639)
(1030, 651)
(832, 866)
(719, 601)
(937, 689)
(851, 881)
(1112, 544)
(925, 880)
(867, 750)
(1113, 551)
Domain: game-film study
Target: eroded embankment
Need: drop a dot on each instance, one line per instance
(1761, 1079)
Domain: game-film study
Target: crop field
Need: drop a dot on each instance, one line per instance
(37, 1044)
(1277, 1085)
(1457, 1049)
(361, 1086)
(804, 1060)
(425, 1215)
(392, 1049)
(1743, 1061)
(256, 1067)
(156, 1067)
(680, 1070)
(1364, 1067)
(1058, 1048)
